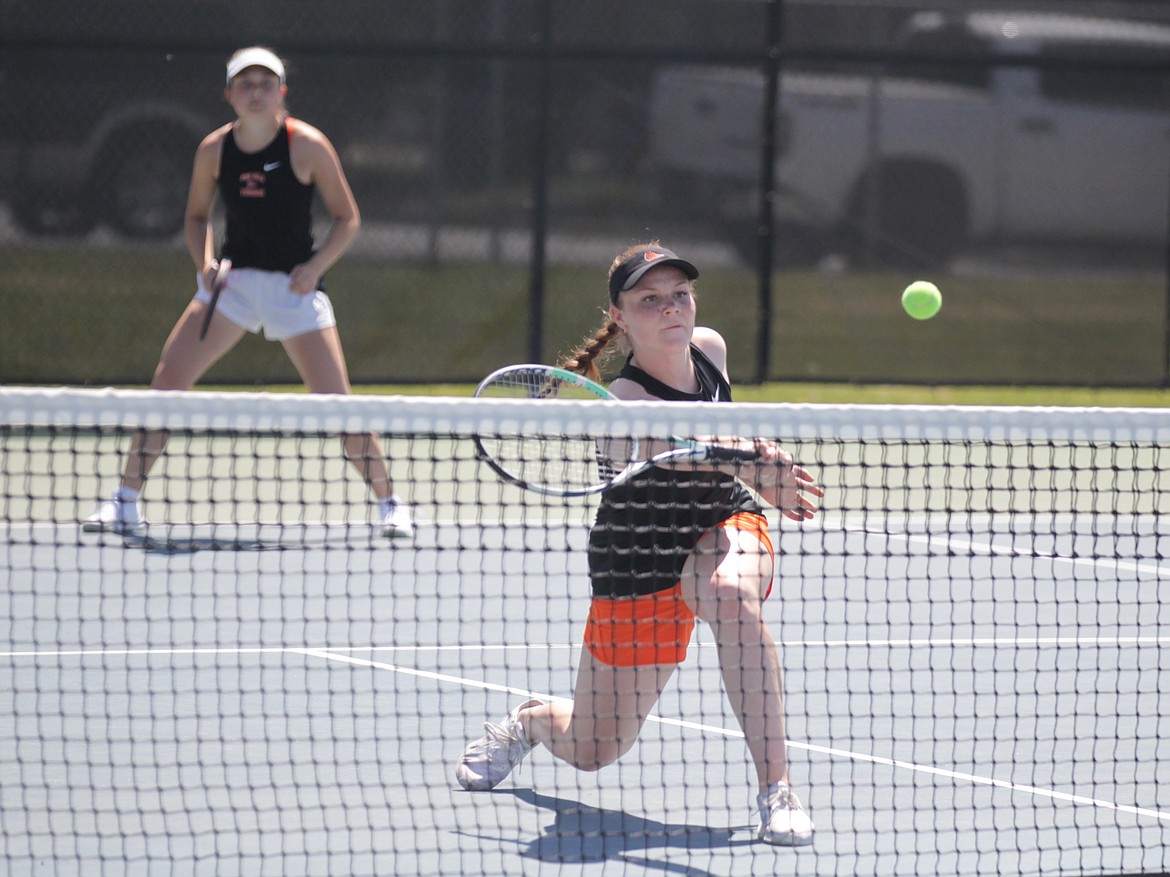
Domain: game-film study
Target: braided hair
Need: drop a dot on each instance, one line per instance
(593, 351)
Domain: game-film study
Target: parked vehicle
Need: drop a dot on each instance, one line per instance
(910, 162)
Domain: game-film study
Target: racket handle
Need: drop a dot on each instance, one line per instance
(222, 267)
(719, 454)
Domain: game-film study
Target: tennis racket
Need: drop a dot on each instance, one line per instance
(217, 285)
(564, 465)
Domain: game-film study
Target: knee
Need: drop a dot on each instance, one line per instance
(730, 603)
(591, 756)
(591, 753)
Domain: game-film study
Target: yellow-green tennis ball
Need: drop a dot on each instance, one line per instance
(921, 299)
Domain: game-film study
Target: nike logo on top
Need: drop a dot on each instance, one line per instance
(649, 257)
(271, 166)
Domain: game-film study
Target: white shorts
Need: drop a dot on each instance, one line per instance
(255, 300)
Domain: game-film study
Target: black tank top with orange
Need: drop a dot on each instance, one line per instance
(268, 210)
(645, 529)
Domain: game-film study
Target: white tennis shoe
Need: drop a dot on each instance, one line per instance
(121, 513)
(782, 820)
(492, 757)
(396, 519)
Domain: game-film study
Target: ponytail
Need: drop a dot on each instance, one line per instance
(593, 351)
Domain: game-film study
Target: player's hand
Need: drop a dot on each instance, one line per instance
(782, 483)
(210, 269)
(303, 279)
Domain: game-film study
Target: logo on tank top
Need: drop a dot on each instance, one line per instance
(252, 184)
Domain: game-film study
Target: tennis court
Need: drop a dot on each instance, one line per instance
(975, 655)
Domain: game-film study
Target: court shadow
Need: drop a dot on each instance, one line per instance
(174, 540)
(581, 833)
(190, 546)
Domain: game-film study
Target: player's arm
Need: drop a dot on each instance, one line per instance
(629, 390)
(711, 343)
(774, 476)
(648, 447)
(315, 161)
(197, 230)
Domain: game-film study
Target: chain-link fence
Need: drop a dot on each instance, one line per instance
(812, 158)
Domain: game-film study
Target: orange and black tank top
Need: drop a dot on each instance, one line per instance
(268, 210)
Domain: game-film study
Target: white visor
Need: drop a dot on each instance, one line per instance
(254, 57)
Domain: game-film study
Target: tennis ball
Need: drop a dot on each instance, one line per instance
(921, 299)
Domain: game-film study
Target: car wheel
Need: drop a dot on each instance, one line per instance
(46, 212)
(145, 179)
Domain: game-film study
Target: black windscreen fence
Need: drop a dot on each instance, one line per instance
(811, 158)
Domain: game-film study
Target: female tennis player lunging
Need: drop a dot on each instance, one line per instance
(666, 547)
(265, 165)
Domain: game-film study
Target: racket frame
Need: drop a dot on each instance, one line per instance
(694, 451)
(551, 373)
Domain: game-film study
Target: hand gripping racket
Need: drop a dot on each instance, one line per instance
(217, 285)
(564, 465)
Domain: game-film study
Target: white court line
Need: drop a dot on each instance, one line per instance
(334, 651)
(960, 545)
(952, 543)
(726, 732)
(331, 654)
(955, 642)
(962, 642)
(273, 650)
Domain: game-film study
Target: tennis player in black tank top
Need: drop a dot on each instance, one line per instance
(668, 547)
(266, 166)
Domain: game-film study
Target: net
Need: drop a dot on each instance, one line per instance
(973, 633)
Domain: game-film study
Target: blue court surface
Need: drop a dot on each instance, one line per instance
(293, 700)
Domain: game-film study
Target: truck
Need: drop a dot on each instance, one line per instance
(909, 162)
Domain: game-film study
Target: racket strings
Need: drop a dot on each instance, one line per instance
(550, 459)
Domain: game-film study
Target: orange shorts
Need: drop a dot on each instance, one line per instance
(655, 628)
